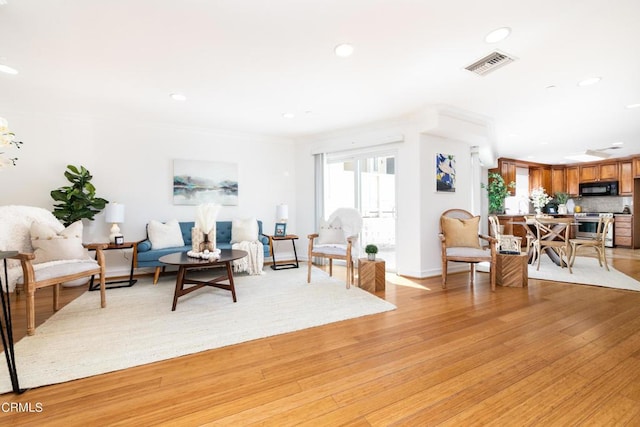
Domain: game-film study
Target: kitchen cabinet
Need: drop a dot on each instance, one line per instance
(599, 172)
(573, 180)
(623, 231)
(540, 177)
(508, 172)
(636, 167)
(558, 180)
(625, 187)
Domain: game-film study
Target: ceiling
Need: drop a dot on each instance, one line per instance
(243, 63)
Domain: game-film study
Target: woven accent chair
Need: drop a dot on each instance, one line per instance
(598, 242)
(506, 242)
(460, 242)
(337, 239)
(547, 237)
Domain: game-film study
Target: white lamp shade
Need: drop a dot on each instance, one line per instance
(282, 213)
(114, 213)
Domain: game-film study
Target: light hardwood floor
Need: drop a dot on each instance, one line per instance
(550, 354)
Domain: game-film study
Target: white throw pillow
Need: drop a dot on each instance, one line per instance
(167, 235)
(331, 233)
(244, 230)
(50, 245)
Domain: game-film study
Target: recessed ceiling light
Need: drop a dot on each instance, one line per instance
(288, 115)
(590, 81)
(344, 50)
(178, 97)
(630, 106)
(617, 143)
(498, 35)
(7, 69)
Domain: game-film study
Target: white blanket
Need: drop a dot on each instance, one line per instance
(253, 262)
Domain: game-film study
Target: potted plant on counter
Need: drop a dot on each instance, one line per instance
(371, 251)
(562, 198)
(497, 191)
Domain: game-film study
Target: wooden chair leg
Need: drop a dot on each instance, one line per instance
(156, 275)
(309, 269)
(330, 266)
(472, 274)
(444, 274)
(56, 297)
(31, 315)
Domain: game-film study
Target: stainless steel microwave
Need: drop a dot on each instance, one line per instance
(601, 188)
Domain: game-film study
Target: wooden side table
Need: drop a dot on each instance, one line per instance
(282, 266)
(511, 270)
(371, 275)
(130, 281)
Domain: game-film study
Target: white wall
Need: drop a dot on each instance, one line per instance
(132, 163)
(419, 205)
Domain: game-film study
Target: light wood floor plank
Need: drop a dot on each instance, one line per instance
(549, 354)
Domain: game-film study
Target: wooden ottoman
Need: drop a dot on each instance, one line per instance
(511, 270)
(371, 275)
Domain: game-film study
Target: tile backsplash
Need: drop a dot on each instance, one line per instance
(602, 204)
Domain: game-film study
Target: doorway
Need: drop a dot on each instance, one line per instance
(366, 182)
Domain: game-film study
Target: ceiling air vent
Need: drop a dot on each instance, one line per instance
(489, 63)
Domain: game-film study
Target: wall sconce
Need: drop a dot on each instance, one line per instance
(114, 214)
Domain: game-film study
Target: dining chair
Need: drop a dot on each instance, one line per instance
(597, 242)
(506, 242)
(554, 235)
(460, 242)
(532, 238)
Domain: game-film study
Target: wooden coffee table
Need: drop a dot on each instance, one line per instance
(184, 262)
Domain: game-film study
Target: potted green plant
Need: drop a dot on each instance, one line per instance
(562, 198)
(371, 251)
(78, 200)
(497, 191)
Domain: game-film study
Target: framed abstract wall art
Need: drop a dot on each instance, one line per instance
(445, 173)
(198, 181)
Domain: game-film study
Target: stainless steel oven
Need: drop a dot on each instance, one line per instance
(587, 223)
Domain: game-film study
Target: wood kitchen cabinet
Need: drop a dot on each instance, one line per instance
(599, 172)
(625, 187)
(540, 177)
(558, 180)
(636, 167)
(623, 231)
(573, 180)
(508, 172)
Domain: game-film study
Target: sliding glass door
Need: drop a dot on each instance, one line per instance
(365, 182)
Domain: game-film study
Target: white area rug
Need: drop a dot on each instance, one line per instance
(138, 326)
(586, 271)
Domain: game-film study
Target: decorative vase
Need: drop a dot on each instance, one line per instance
(562, 209)
(538, 211)
(371, 257)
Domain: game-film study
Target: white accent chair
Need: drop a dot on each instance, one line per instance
(23, 271)
(345, 225)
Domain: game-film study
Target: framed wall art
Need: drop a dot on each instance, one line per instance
(445, 173)
(198, 181)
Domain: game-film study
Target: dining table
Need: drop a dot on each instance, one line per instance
(548, 228)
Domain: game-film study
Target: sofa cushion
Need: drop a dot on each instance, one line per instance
(244, 230)
(167, 235)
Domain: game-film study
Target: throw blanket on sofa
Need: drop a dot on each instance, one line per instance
(253, 262)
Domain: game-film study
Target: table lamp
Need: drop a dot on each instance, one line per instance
(114, 214)
(282, 212)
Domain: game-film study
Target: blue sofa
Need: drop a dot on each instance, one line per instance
(146, 256)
